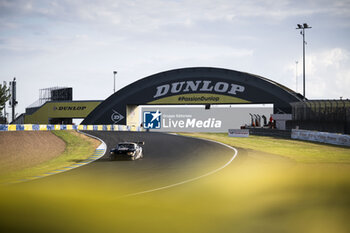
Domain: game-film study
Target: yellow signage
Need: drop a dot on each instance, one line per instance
(199, 98)
(71, 109)
(74, 109)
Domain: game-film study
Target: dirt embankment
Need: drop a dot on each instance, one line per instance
(24, 149)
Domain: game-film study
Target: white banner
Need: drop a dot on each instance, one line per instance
(240, 133)
(331, 138)
(195, 118)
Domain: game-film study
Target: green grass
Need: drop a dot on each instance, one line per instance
(300, 151)
(251, 195)
(77, 149)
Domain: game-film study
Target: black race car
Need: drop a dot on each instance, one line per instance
(127, 150)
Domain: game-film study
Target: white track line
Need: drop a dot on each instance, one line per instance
(193, 179)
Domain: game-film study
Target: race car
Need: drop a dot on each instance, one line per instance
(127, 150)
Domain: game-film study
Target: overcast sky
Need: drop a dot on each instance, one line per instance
(79, 43)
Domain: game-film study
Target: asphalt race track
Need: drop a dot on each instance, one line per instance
(169, 190)
(168, 159)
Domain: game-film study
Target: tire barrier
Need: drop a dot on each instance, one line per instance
(37, 127)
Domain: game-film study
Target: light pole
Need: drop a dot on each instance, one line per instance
(114, 73)
(5, 106)
(13, 99)
(296, 76)
(302, 32)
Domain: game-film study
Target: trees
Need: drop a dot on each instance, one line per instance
(4, 96)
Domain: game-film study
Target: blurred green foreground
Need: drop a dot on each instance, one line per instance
(274, 185)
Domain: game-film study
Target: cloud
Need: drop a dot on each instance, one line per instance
(334, 58)
(64, 42)
(327, 74)
(154, 14)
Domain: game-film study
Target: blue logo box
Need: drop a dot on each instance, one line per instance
(152, 119)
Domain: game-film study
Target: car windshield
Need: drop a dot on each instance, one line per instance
(126, 146)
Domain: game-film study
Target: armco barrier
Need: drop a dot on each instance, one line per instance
(36, 127)
(324, 137)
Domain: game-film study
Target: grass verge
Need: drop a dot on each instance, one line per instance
(249, 195)
(78, 148)
(300, 151)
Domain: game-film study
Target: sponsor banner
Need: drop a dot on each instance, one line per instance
(240, 133)
(196, 118)
(204, 86)
(48, 127)
(191, 86)
(36, 127)
(324, 137)
(134, 128)
(152, 119)
(80, 127)
(199, 99)
(12, 128)
(61, 109)
(122, 128)
(19, 127)
(116, 117)
(3, 127)
(28, 127)
(71, 109)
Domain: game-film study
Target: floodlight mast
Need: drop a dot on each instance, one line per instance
(296, 76)
(302, 32)
(114, 73)
(13, 99)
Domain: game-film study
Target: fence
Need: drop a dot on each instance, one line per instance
(322, 115)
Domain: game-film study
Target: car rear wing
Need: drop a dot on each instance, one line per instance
(140, 143)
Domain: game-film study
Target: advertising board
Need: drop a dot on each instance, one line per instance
(61, 109)
(195, 118)
(238, 133)
(324, 137)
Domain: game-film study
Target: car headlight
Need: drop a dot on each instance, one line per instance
(130, 153)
